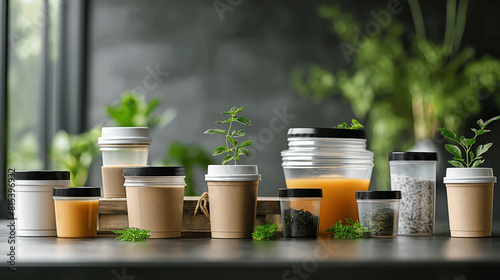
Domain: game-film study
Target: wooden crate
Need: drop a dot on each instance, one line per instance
(113, 215)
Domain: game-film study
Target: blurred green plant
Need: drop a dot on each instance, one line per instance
(25, 157)
(134, 110)
(403, 83)
(190, 156)
(75, 152)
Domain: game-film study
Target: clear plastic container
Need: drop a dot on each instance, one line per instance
(155, 199)
(300, 210)
(76, 211)
(34, 205)
(120, 147)
(378, 211)
(414, 174)
(334, 160)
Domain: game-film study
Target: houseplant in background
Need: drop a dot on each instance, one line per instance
(469, 188)
(75, 152)
(232, 189)
(402, 82)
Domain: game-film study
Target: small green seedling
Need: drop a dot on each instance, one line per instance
(132, 234)
(471, 159)
(234, 152)
(354, 125)
(351, 230)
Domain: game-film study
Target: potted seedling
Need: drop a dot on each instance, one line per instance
(232, 189)
(469, 188)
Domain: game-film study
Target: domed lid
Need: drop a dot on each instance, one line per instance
(124, 135)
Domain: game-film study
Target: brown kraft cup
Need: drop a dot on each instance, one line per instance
(470, 208)
(233, 206)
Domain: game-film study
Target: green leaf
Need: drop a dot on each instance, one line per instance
(237, 110)
(477, 163)
(480, 122)
(471, 142)
(491, 120)
(356, 124)
(471, 155)
(226, 121)
(482, 131)
(243, 120)
(342, 125)
(243, 151)
(232, 140)
(215, 131)
(246, 143)
(454, 150)
(219, 150)
(463, 141)
(448, 134)
(238, 133)
(481, 149)
(227, 113)
(227, 159)
(456, 163)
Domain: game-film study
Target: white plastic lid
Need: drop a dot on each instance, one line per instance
(232, 173)
(469, 175)
(124, 135)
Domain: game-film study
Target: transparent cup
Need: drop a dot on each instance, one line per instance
(378, 211)
(300, 210)
(122, 147)
(414, 174)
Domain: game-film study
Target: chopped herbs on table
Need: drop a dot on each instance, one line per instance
(299, 223)
(380, 221)
(351, 230)
(265, 231)
(132, 234)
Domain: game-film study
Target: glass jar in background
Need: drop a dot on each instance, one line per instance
(300, 210)
(334, 160)
(414, 174)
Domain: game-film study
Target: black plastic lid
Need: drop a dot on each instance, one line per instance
(155, 171)
(77, 192)
(305, 192)
(412, 156)
(326, 132)
(42, 175)
(378, 194)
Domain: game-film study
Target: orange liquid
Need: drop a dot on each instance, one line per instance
(339, 197)
(76, 218)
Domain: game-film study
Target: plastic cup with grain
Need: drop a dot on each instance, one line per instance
(378, 211)
(300, 212)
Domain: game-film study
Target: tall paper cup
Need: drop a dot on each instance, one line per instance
(232, 192)
(470, 201)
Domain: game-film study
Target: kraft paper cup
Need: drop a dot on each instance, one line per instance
(470, 201)
(232, 192)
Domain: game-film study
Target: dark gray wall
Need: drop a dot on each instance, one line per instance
(244, 60)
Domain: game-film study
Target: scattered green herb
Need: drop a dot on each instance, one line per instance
(236, 150)
(350, 231)
(380, 222)
(299, 223)
(265, 231)
(354, 125)
(470, 160)
(132, 234)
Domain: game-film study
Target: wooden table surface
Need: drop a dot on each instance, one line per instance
(404, 257)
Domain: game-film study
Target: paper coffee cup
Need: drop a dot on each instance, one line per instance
(470, 201)
(232, 192)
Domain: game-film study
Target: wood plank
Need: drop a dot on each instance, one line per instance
(117, 206)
